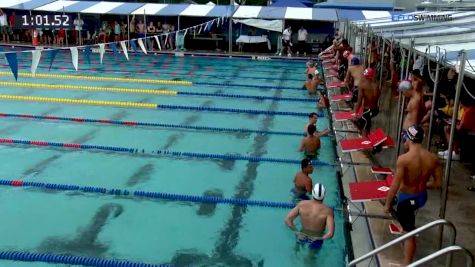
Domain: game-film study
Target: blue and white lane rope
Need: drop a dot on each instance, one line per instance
(165, 153)
(149, 195)
(72, 260)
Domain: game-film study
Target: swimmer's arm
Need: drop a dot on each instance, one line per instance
(330, 226)
(437, 182)
(323, 133)
(395, 185)
(347, 78)
(308, 186)
(289, 220)
(302, 145)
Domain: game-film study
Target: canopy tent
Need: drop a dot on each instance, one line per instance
(271, 25)
(192, 10)
(354, 15)
(358, 4)
(295, 13)
(450, 36)
(292, 3)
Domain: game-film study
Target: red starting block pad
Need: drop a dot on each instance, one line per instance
(335, 84)
(330, 67)
(345, 97)
(375, 138)
(331, 74)
(372, 190)
(327, 55)
(332, 60)
(381, 170)
(347, 115)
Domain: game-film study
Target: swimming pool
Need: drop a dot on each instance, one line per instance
(232, 133)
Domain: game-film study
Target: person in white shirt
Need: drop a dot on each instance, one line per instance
(78, 23)
(4, 26)
(286, 41)
(302, 41)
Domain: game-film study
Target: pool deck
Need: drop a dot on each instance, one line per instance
(459, 206)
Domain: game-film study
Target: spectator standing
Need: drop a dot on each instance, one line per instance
(78, 23)
(302, 41)
(4, 26)
(286, 41)
(116, 31)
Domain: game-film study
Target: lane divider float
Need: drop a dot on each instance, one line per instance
(165, 153)
(148, 124)
(72, 260)
(95, 78)
(149, 195)
(149, 91)
(153, 106)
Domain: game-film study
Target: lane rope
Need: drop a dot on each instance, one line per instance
(148, 194)
(73, 260)
(95, 78)
(149, 124)
(158, 152)
(153, 106)
(149, 91)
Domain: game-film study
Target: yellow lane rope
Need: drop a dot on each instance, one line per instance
(95, 78)
(89, 88)
(78, 101)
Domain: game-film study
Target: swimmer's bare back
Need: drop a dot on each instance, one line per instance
(314, 216)
(413, 110)
(371, 93)
(356, 72)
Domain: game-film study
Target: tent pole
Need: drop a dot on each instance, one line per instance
(230, 41)
(382, 65)
(178, 23)
(401, 107)
(79, 35)
(432, 109)
(66, 31)
(145, 23)
(128, 31)
(448, 163)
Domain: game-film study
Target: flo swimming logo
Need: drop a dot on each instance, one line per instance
(423, 17)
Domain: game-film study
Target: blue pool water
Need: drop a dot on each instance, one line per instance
(160, 231)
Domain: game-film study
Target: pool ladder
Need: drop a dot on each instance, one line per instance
(447, 250)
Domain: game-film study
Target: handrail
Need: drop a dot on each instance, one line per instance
(407, 236)
(451, 249)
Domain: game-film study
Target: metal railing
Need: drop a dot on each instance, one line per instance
(450, 250)
(409, 235)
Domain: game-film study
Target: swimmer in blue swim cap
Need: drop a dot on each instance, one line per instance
(315, 217)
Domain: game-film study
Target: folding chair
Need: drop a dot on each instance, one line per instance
(374, 139)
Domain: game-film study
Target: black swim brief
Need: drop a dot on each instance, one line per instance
(365, 121)
(407, 205)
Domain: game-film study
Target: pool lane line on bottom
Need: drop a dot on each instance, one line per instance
(72, 260)
(148, 194)
(150, 91)
(148, 124)
(158, 152)
(95, 78)
(152, 106)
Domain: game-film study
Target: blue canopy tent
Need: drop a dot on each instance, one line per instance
(292, 3)
(358, 5)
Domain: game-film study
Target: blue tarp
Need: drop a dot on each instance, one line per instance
(292, 3)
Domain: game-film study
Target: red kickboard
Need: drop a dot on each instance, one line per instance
(331, 74)
(345, 97)
(377, 137)
(381, 170)
(389, 142)
(395, 229)
(332, 67)
(344, 116)
(368, 191)
(335, 84)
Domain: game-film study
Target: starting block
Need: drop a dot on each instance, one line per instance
(334, 84)
(375, 138)
(371, 190)
(330, 67)
(345, 97)
(347, 115)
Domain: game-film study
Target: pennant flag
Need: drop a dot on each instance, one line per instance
(52, 55)
(87, 54)
(186, 31)
(142, 46)
(12, 61)
(35, 60)
(217, 22)
(74, 57)
(166, 40)
(149, 43)
(102, 50)
(124, 48)
(158, 42)
(113, 46)
(133, 45)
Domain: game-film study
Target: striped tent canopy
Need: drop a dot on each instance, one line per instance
(448, 37)
(192, 10)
